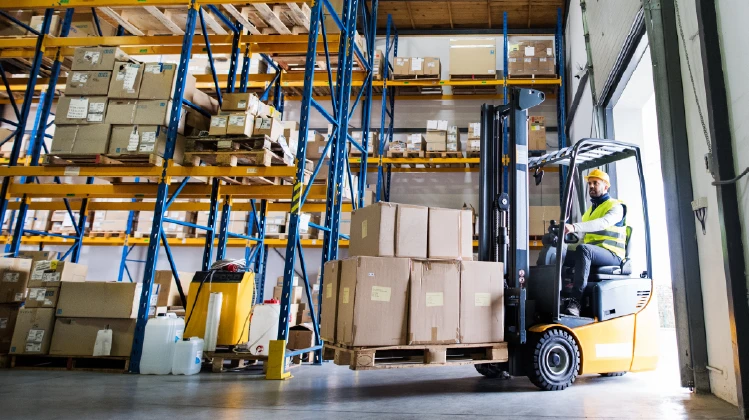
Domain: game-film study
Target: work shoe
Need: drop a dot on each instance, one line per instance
(572, 307)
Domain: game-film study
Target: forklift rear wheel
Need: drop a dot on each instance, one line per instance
(556, 360)
(610, 374)
(492, 370)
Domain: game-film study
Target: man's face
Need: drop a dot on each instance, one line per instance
(596, 187)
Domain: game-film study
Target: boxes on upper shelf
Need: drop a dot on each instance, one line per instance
(450, 234)
(83, 139)
(14, 279)
(241, 123)
(80, 110)
(218, 125)
(417, 66)
(268, 126)
(437, 125)
(389, 229)
(126, 80)
(237, 101)
(158, 81)
(474, 131)
(473, 56)
(401, 66)
(88, 83)
(143, 139)
(97, 58)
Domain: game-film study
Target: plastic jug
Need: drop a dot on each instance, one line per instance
(188, 356)
(264, 326)
(161, 336)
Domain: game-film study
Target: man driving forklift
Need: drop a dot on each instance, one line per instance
(604, 243)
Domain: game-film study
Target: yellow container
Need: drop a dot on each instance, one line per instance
(237, 290)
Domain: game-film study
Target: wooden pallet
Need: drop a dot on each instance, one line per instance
(473, 76)
(415, 77)
(532, 76)
(236, 158)
(406, 154)
(229, 143)
(113, 234)
(237, 360)
(398, 357)
(175, 235)
(138, 159)
(102, 159)
(110, 364)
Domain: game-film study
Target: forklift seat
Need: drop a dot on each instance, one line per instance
(614, 272)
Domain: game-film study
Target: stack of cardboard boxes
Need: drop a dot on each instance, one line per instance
(378, 65)
(435, 139)
(474, 137)
(373, 145)
(117, 106)
(300, 305)
(242, 114)
(415, 265)
(531, 58)
(413, 143)
(536, 133)
(416, 68)
(145, 224)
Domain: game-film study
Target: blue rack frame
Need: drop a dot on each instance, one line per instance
(387, 116)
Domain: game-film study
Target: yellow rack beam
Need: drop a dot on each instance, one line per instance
(64, 4)
(269, 192)
(176, 206)
(150, 171)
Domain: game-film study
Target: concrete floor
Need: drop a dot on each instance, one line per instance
(334, 392)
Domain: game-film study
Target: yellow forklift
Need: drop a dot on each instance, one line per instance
(617, 329)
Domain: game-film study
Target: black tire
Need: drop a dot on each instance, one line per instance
(555, 361)
(492, 370)
(610, 374)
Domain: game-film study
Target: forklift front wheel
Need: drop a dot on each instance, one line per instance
(556, 360)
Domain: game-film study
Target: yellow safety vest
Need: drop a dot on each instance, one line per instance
(613, 238)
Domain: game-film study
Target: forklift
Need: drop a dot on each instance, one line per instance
(617, 329)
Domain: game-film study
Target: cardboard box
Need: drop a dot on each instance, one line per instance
(36, 22)
(369, 288)
(83, 26)
(80, 110)
(143, 139)
(543, 49)
(240, 123)
(88, 83)
(539, 218)
(328, 318)
(270, 127)
(297, 293)
(35, 256)
(432, 66)
(450, 234)
(42, 297)
(482, 306)
(546, 66)
(97, 58)
(515, 66)
(434, 314)
(530, 66)
(156, 112)
(301, 337)
(474, 131)
(401, 66)
(126, 80)
(109, 226)
(8, 315)
(294, 281)
(536, 133)
(315, 146)
(411, 226)
(373, 230)
(158, 81)
(473, 56)
(92, 138)
(77, 336)
(33, 331)
(435, 146)
(98, 299)
(435, 137)
(14, 279)
(121, 111)
(168, 293)
(218, 125)
(417, 66)
(53, 273)
(240, 102)
(9, 29)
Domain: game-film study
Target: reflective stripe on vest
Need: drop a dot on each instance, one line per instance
(613, 238)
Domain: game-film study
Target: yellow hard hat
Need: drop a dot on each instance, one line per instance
(597, 173)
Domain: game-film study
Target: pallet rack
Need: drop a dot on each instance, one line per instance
(348, 86)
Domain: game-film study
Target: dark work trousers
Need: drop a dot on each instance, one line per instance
(582, 258)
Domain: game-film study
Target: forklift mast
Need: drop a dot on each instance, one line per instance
(503, 199)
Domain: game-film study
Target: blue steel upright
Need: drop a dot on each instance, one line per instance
(367, 106)
(561, 98)
(162, 191)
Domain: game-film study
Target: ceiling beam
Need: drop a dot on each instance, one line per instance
(410, 16)
(450, 15)
(489, 12)
(164, 20)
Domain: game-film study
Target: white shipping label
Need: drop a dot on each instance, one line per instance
(482, 299)
(95, 117)
(11, 277)
(242, 104)
(96, 107)
(435, 299)
(345, 296)
(363, 229)
(92, 56)
(51, 276)
(474, 143)
(18, 297)
(78, 108)
(48, 302)
(131, 73)
(416, 64)
(146, 148)
(148, 137)
(530, 51)
(548, 52)
(103, 343)
(476, 129)
(35, 336)
(153, 68)
(79, 77)
(432, 64)
(381, 294)
(328, 290)
(132, 144)
(40, 268)
(218, 121)
(3, 323)
(33, 347)
(237, 120)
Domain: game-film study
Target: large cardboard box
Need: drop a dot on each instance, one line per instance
(515, 66)
(77, 336)
(37, 22)
(143, 139)
(373, 230)
(240, 123)
(14, 279)
(434, 314)
(43, 297)
(98, 299)
(126, 79)
(97, 58)
(450, 234)
(240, 102)
(435, 137)
(218, 125)
(331, 281)
(297, 293)
(8, 28)
(411, 226)
(301, 337)
(88, 83)
(155, 112)
(432, 66)
(543, 49)
(80, 110)
(536, 133)
(482, 307)
(93, 138)
(539, 218)
(417, 67)
(168, 292)
(121, 111)
(33, 331)
(35, 256)
(8, 315)
(401, 66)
(315, 147)
(158, 81)
(270, 127)
(546, 66)
(83, 25)
(53, 273)
(373, 301)
(473, 56)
